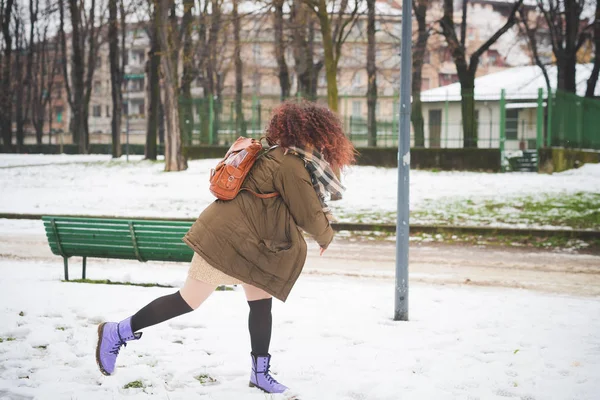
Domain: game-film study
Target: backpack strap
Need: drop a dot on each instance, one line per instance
(261, 196)
(268, 195)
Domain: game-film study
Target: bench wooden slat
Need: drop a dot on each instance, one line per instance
(108, 242)
(115, 227)
(119, 221)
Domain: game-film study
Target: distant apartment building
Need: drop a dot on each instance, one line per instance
(261, 74)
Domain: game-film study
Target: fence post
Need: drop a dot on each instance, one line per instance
(253, 124)
(447, 122)
(550, 102)
(579, 129)
(211, 122)
(540, 121)
(502, 126)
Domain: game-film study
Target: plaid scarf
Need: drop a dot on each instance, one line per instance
(323, 179)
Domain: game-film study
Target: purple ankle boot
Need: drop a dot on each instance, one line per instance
(261, 378)
(111, 336)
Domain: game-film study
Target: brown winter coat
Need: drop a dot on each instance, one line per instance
(259, 241)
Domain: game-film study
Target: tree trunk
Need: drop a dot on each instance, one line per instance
(329, 56)
(78, 122)
(467, 90)
(567, 66)
(299, 21)
(116, 78)
(19, 85)
(187, 106)
(153, 88)
(240, 123)
(284, 75)
(5, 94)
(593, 80)
(372, 76)
(33, 13)
(418, 56)
(174, 158)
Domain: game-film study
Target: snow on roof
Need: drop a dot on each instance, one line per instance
(520, 83)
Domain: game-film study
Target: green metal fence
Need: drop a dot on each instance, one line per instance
(574, 122)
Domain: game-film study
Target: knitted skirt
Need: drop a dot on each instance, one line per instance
(202, 271)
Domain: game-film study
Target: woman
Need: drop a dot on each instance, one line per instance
(252, 241)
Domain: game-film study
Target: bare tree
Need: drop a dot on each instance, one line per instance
(116, 77)
(6, 105)
(153, 86)
(84, 53)
(240, 123)
(371, 75)
(335, 28)
(420, 9)
(468, 69)
(18, 85)
(169, 43)
(531, 32)
(189, 71)
(302, 28)
(284, 74)
(567, 33)
(593, 80)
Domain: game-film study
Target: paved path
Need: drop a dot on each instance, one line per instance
(438, 264)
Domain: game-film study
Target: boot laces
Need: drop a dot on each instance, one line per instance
(117, 347)
(269, 378)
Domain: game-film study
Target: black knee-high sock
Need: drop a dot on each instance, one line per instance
(160, 310)
(260, 323)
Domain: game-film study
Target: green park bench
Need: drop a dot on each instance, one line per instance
(142, 240)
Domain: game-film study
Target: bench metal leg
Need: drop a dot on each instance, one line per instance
(83, 270)
(66, 260)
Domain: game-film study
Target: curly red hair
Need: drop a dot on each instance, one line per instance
(307, 123)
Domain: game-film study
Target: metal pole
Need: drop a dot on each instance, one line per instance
(502, 127)
(447, 112)
(540, 122)
(549, 125)
(402, 214)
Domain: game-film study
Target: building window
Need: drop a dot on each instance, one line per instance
(97, 87)
(96, 111)
(125, 108)
(357, 79)
(256, 51)
(107, 111)
(512, 124)
(356, 109)
(427, 57)
(322, 79)
(59, 114)
(136, 85)
(138, 107)
(471, 34)
(492, 59)
(448, 79)
(357, 51)
(98, 62)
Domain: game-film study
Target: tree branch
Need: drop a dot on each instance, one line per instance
(509, 23)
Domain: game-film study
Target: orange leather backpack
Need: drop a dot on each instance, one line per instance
(227, 177)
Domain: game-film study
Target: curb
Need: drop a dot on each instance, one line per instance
(388, 228)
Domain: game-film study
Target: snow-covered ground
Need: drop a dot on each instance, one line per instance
(95, 185)
(334, 339)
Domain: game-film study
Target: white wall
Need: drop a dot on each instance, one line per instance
(489, 125)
